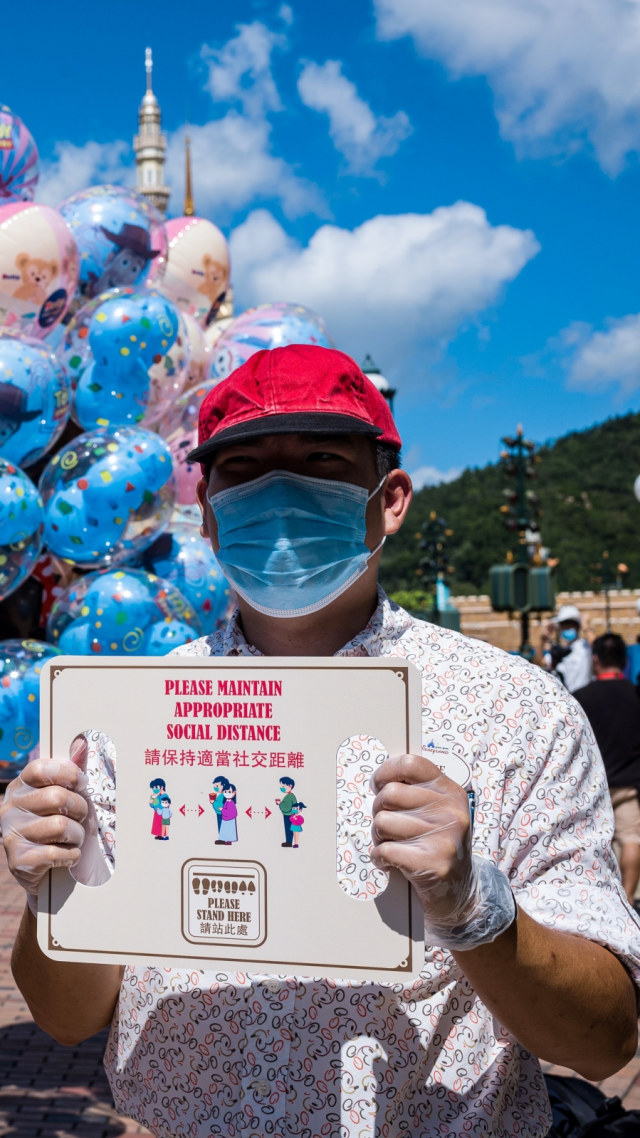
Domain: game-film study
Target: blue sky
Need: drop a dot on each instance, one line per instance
(454, 187)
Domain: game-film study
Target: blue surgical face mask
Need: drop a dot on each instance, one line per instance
(569, 634)
(289, 544)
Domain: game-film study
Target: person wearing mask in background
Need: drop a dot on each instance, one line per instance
(612, 706)
(565, 652)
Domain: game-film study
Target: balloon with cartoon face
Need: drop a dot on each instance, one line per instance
(18, 159)
(107, 495)
(21, 527)
(127, 357)
(34, 399)
(196, 275)
(38, 268)
(21, 663)
(119, 235)
(267, 326)
(123, 612)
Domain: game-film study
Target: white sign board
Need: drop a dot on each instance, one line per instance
(243, 803)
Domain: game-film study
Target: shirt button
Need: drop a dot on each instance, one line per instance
(263, 1087)
(272, 985)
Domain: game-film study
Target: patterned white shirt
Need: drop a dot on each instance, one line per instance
(242, 1056)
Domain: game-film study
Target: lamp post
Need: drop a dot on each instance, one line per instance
(519, 586)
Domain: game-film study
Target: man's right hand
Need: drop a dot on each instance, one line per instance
(48, 820)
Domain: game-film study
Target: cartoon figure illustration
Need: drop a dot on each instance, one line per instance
(296, 820)
(165, 814)
(215, 276)
(286, 805)
(13, 411)
(220, 784)
(158, 787)
(37, 276)
(229, 825)
(125, 263)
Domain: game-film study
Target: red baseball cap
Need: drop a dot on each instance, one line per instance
(298, 388)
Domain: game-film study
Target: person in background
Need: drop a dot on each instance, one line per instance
(565, 651)
(612, 707)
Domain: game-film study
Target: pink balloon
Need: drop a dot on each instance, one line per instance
(38, 268)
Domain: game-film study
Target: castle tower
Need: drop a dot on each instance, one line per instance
(188, 208)
(150, 146)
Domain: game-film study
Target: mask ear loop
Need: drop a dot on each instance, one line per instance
(384, 538)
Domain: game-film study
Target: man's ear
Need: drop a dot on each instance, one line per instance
(398, 493)
(201, 496)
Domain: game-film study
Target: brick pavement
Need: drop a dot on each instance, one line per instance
(46, 1091)
(49, 1091)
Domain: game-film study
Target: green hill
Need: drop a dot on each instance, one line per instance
(585, 485)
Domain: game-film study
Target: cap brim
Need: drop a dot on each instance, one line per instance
(300, 423)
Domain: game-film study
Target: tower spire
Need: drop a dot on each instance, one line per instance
(189, 208)
(150, 145)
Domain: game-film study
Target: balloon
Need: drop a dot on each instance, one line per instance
(107, 496)
(38, 268)
(119, 236)
(215, 330)
(18, 159)
(197, 270)
(21, 526)
(267, 326)
(179, 429)
(199, 351)
(183, 557)
(121, 612)
(20, 666)
(126, 355)
(34, 399)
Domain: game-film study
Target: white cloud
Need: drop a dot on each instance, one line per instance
(390, 285)
(233, 166)
(595, 360)
(356, 132)
(232, 160)
(240, 71)
(75, 168)
(564, 72)
(431, 476)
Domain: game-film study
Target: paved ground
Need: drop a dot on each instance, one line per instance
(48, 1091)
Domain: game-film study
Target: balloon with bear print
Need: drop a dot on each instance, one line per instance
(38, 268)
(196, 275)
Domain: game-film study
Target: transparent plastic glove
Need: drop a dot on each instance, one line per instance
(421, 825)
(48, 820)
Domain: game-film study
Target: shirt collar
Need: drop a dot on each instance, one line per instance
(388, 623)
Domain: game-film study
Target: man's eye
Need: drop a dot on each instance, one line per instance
(324, 456)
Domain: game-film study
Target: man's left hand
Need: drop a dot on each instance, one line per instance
(421, 826)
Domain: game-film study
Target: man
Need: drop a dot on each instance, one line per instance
(567, 654)
(286, 804)
(612, 706)
(301, 485)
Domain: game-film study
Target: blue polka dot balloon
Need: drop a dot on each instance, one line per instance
(21, 663)
(127, 356)
(107, 496)
(34, 399)
(181, 555)
(121, 612)
(21, 527)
